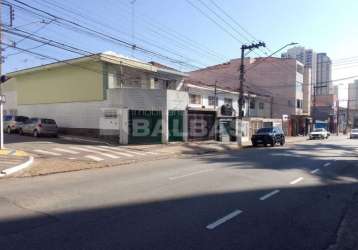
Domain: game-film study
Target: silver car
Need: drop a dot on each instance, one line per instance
(39, 126)
(354, 134)
(12, 123)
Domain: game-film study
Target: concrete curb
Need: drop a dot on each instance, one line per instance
(17, 168)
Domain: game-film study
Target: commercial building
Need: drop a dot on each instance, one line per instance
(213, 109)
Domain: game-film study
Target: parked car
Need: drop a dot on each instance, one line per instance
(319, 133)
(39, 126)
(12, 123)
(354, 134)
(267, 136)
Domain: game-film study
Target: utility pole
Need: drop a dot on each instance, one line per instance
(337, 116)
(314, 103)
(1, 96)
(347, 121)
(242, 80)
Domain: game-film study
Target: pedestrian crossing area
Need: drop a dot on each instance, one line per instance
(93, 153)
(10, 161)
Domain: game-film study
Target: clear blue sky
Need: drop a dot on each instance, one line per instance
(323, 25)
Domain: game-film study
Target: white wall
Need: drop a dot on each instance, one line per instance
(11, 100)
(67, 115)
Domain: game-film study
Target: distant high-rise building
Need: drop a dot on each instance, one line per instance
(324, 75)
(353, 95)
(336, 91)
(306, 56)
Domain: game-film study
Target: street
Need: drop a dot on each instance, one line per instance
(293, 197)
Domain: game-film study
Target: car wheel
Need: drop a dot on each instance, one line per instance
(35, 133)
(273, 143)
(282, 142)
(8, 130)
(254, 145)
(265, 144)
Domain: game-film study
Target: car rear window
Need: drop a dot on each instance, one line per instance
(48, 121)
(265, 130)
(21, 118)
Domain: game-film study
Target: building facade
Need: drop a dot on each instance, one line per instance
(215, 109)
(103, 95)
(306, 56)
(324, 75)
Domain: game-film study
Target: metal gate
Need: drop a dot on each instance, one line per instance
(201, 125)
(144, 126)
(176, 126)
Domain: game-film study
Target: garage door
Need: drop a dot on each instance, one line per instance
(144, 127)
(201, 125)
(176, 126)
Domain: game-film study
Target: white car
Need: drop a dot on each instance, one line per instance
(354, 134)
(319, 133)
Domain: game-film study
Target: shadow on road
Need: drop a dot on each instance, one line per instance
(313, 217)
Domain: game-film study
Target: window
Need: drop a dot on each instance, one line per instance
(299, 87)
(299, 69)
(252, 104)
(194, 99)
(261, 105)
(299, 104)
(21, 118)
(213, 100)
(110, 114)
(228, 101)
(48, 121)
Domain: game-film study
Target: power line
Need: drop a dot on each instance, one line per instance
(110, 37)
(214, 21)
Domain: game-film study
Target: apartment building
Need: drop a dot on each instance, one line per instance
(324, 75)
(353, 104)
(306, 56)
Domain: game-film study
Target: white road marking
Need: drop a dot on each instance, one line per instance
(314, 171)
(84, 149)
(223, 219)
(46, 152)
(190, 174)
(124, 150)
(110, 156)
(66, 151)
(152, 153)
(327, 164)
(269, 195)
(95, 152)
(95, 158)
(111, 151)
(72, 158)
(296, 181)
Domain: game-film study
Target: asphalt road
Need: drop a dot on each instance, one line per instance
(293, 197)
